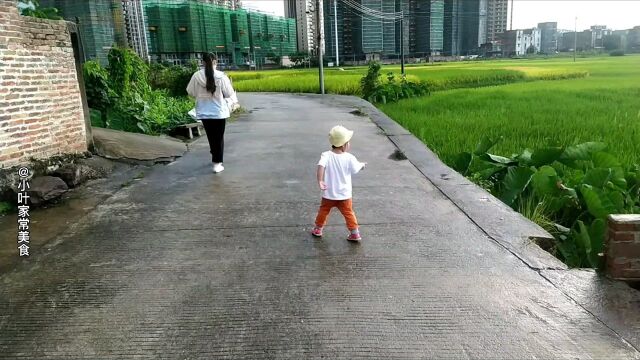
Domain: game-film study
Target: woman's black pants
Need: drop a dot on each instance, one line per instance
(215, 135)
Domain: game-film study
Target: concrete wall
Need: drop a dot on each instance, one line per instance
(41, 111)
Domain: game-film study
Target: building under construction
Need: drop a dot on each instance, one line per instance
(180, 30)
(101, 24)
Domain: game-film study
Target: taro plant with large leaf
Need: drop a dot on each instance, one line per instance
(577, 186)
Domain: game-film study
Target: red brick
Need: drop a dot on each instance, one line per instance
(38, 88)
(629, 250)
(620, 237)
(629, 274)
(623, 226)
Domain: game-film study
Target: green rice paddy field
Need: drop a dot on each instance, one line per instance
(530, 103)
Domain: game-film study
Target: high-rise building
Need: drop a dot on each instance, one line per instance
(290, 9)
(497, 14)
(135, 25)
(303, 11)
(431, 27)
(548, 37)
(229, 4)
(472, 26)
(367, 29)
(452, 27)
(426, 31)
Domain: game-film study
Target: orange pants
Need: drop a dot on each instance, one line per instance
(345, 207)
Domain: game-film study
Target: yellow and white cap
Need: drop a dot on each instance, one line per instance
(339, 135)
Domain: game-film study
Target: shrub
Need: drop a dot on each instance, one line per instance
(128, 70)
(617, 53)
(124, 97)
(172, 78)
(569, 191)
(97, 87)
(376, 91)
(371, 81)
(34, 9)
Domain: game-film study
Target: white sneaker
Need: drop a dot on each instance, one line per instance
(217, 167)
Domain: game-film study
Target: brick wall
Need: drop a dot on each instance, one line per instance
(623, 247)
(41, 112)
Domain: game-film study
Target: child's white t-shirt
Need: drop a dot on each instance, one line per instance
(338, 169)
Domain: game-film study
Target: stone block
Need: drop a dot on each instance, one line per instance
(75, 174)
(46, 188)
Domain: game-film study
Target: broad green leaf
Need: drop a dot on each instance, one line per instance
(496, 159)
(490, 171)
(546, 156)
(581, 152)
(617, 199)
(545, 181)
(597, 177)
(525, 157)
(583, 238)
(618, 178)
(461, 162)
(484, 145)
(599, 205)
(605, 160)
(515, 183)
(570, 252)
(597, 232)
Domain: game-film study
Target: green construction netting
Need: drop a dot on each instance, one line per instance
(101, 23)
(191, 27)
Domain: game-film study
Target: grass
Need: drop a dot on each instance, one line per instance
(602, 107)
(439, 77)
(593, 99)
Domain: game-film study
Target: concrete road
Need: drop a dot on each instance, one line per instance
(186, 264)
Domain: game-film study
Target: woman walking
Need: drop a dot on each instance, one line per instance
(211, 88)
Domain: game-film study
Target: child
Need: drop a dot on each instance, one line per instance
(334, 178)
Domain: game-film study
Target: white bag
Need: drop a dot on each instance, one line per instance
(233, 103)
(193, 114)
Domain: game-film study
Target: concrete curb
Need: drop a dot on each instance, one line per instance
(504, 225)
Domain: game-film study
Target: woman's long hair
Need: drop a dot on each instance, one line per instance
(209, 58)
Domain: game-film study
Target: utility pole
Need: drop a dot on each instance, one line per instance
(511, 24)
(335, 15)
(402, 44)
(575, 40)
(319, 29)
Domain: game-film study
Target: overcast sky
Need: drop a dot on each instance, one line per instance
(616, 14)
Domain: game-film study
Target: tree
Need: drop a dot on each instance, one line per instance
(34, 9)
(531, 50)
